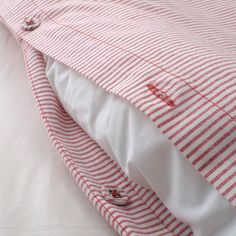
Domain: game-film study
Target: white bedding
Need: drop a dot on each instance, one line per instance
(143, 152)
(38, 197)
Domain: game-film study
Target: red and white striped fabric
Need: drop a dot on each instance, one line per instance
(186, 50)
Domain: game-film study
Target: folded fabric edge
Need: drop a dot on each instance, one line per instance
(146, 214)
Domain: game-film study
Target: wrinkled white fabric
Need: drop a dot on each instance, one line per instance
(143, 152)
(38, 197)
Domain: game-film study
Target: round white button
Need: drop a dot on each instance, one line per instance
(30, 23)
(115, 195)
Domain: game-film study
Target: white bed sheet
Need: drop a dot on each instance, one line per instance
(143, 152)
(38, 197)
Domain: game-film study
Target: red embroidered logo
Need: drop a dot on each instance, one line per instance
(161, 95)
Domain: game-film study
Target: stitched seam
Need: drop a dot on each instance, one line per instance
(135, 55)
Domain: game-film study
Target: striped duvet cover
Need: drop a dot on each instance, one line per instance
(172, 60)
